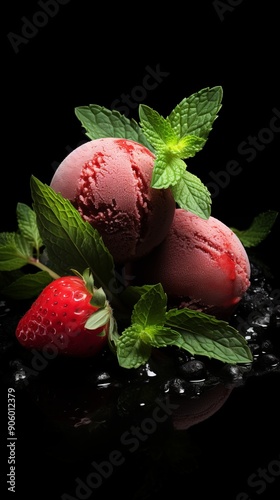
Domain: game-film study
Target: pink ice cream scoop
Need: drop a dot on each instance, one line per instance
(108, 181)
(201, 264)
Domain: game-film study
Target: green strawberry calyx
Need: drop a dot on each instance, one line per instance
(103, 313)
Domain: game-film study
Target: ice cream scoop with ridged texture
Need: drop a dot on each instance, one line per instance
(201, 264)
(108, 181)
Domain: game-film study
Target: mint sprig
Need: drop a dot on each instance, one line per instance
(170, 147)
(147, 330)
(258, 230)
(198, 333)
(178, 137)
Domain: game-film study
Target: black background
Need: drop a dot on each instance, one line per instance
(85, 54)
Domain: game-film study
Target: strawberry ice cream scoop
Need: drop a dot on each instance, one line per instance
(108, 181)
(201, 264)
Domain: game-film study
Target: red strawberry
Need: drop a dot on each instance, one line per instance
(59, 318)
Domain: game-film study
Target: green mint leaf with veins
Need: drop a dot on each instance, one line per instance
(99, 122)
(15, 251)
(147, 329)
(134, 347)
(157, 129)
(168, 170)
(189, 145)
(258, 230)
(27, 225)
(197, 113)
(204, 335)
(132, 352)
(150, 308)
(192, 195)
(162, 135)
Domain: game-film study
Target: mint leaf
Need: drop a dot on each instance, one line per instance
(168, 170)
(192, 195)
(16, 248)
(157, 129)
(134, 346)
(159, 336)
(189, 145)
(99, 122)
(71, 242)
(15, 251)
(162, 135)
(147, 330)
(150, 308)
(197, 113)
(258, 230)
(202, 334)
(132, 352)
(27, 225)
(27, 286)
